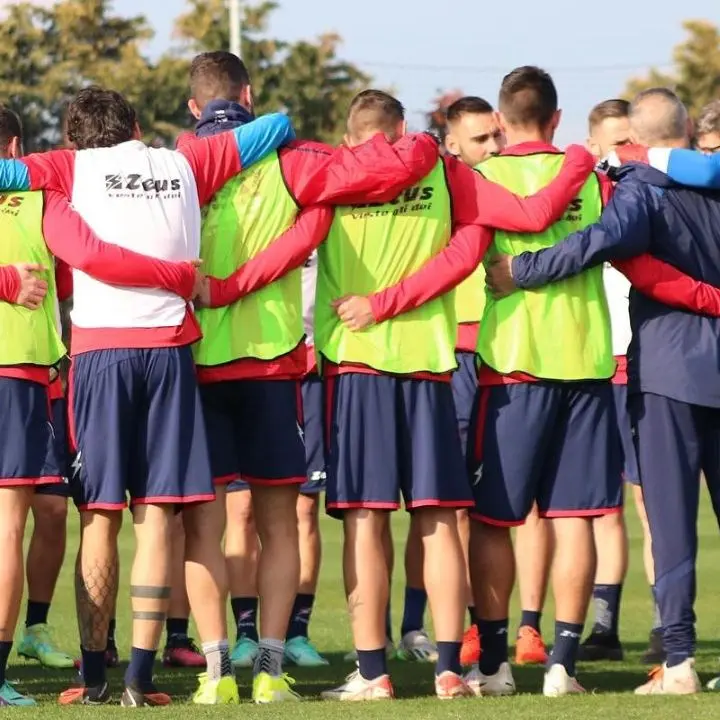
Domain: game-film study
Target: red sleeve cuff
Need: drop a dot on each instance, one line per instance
(9, 283)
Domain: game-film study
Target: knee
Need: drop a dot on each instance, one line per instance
(308, 514)
(610, 524)
(50, 519)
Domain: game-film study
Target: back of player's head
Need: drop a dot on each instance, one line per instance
(10, 130)
(218, 75)
(709, 120)
(374, 111)
(528, 98)
(658, 116)
(469, 105)
(99, 118)
(606, 110)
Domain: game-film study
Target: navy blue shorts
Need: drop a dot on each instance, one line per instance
(255, 431)
(389, 436)
(136, 426)
(62, 451)
(27, 456)
(464, 387)
(631, 473)
(312, 412)
(551, 443)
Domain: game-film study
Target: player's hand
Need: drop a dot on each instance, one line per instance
(355, 312)
(32, 289)
(499, 277)
(202, 293)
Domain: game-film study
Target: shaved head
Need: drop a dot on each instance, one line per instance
(658, 117)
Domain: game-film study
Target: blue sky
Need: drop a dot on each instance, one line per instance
(420, 47)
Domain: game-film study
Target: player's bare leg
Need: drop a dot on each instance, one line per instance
(96, 587)
(180, 649)
(445, 578)
(492, 571)
(44, 560)
(207, 590)
(150, 580)
(533, 556)
(655, 653)
(242, 550)
(275, 510)
(367, 585)
(573, 573)
(470, 652)
(611, 548)
(298, 648)
(415, 643)
(14, 507)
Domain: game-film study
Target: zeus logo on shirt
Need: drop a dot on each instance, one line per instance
(414, 199)
(132, 184)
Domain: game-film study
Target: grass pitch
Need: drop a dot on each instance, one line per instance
(610, 685)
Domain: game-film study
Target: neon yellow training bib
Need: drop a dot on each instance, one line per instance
(29, 337)
(560, 331)
(244, 218)
(370, 248)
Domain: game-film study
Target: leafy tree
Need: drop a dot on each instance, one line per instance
(48, 53)
(304, 78)
(696, 73)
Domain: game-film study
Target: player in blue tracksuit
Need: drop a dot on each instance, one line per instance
(673, 359)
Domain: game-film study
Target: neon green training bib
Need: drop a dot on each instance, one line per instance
(244, 218)
(560, 331)
(370, 248)
(29, 337)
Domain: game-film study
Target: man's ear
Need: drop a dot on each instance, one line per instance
(14, 148)
(137, 132)
(194, 108)
(246, 97)
(556, 118)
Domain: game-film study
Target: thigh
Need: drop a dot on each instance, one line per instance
(103, 418)
(432, 470)
(28, 454)
(464, 388)
(221, 411)
(270, 443)
(509, 439)
(583, 475)
(173, 447)
(312, 397)
(362, 443)
(669, 449)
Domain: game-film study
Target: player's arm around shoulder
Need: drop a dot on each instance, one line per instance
(622, 231)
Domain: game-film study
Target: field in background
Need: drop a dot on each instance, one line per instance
(611, 684)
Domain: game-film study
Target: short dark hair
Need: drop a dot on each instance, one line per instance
(374, 110)
(470, 104)
(614, 108)
(10, 126)
(528, 97)
(217, 75)
(99, 118)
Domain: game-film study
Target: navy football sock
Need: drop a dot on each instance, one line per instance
(494, 643)
(565, 649)
(414, 610)
(531, 618)
(245, 614)
(606, 600)
(300, 617)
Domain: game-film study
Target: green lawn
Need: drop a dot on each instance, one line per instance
(611, 684)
